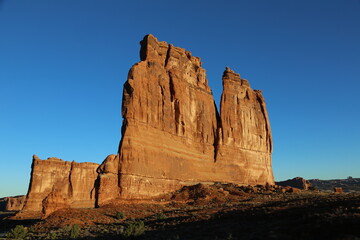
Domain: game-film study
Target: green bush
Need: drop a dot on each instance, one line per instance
(74, 231)
(120, 215)
(31, 229)
(52, 235)
(18, 232)
(134, 229)
(229, 236)
(160, 216)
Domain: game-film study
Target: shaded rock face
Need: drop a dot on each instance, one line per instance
(15, 203)
(338, 190)
(108, 180)
(173, 135)
(56, 183)
(297, 182)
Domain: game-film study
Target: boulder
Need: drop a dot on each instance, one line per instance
(53, 202)
(338, 190)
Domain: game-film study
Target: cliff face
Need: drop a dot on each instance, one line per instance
(15, 203)
(172, 134)
(169, 122)
(245, 142)
(297, 182)
(54, 180)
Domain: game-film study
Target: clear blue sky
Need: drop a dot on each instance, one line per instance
(63, 64)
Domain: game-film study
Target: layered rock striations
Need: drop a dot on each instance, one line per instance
(245, 141)
(14, 203)
(297, 182)
(169, 122)
(56, 184)
(172, 134)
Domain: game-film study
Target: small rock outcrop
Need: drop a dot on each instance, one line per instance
(14, 203)
(338, 190)
(56, 183)
(297, 182)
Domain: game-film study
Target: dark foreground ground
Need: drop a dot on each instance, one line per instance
(216, 212)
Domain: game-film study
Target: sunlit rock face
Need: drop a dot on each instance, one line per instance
(54, 180)
(169, 122)
(14, 203)
(172, 134)
(297, 182)
(245, 142)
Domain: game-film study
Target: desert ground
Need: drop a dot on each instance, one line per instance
(219, 211)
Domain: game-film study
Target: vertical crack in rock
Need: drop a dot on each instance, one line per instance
(70, 187)
(167, 55)
(260, 99)
(217, 133)
(172, 89)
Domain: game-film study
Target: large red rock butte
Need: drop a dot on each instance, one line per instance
(172, 135)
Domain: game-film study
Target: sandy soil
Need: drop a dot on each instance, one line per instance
(209, 212)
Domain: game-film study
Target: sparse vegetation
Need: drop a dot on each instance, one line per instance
(74, 231)
(120, 215)
(134, 229)
(160, 216)
(223, 211)
(348, 185)
(229, 236)
(18, 232)
(52, 235)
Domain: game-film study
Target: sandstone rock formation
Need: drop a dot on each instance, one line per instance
(297, 182)
(245, 142)
(56, 183)
(172, 134)
(338, 190)
(108, 179)
(15, 203)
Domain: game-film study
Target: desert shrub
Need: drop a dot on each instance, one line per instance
(31, 229)
(74, 231)
(52, 235)
(120, 215)
(174, 237)
(18, 232)
(229, 236)
(134, 229)
(160, 216)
